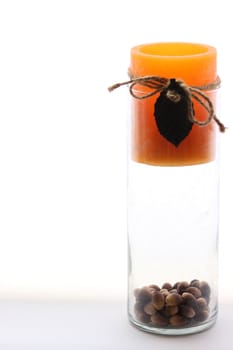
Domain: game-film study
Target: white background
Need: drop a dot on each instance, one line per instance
(63, 138)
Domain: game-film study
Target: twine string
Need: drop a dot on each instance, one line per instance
(159, 84)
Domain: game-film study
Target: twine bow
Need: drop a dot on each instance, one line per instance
(159, 84)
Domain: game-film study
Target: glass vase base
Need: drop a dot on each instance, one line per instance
(171, 331)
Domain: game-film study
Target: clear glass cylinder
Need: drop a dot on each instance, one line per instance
(172, 204)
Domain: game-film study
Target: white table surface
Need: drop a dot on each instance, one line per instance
(96, 325)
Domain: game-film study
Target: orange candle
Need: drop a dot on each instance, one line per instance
(195, 64)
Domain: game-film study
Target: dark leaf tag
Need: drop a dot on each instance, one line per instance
(172, 113)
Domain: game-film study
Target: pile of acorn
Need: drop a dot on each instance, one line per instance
(178, 305)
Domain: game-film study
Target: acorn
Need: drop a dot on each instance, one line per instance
(173, 299)
(187, 311)
(195, 283)
(159, 320)
(202, 316)
(194, 291)
(167, 286)
(149, 309)
(171, 310)
(178, 321)
(182, 286)
(143, 317)
(154, 287)
(158, 300)
(205, 289)
(190, 300)
(144, 295)
(164, 291)
(202, 304)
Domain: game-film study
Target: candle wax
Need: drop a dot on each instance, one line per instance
(195, 64)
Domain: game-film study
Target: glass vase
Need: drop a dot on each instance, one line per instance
(173, 201)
